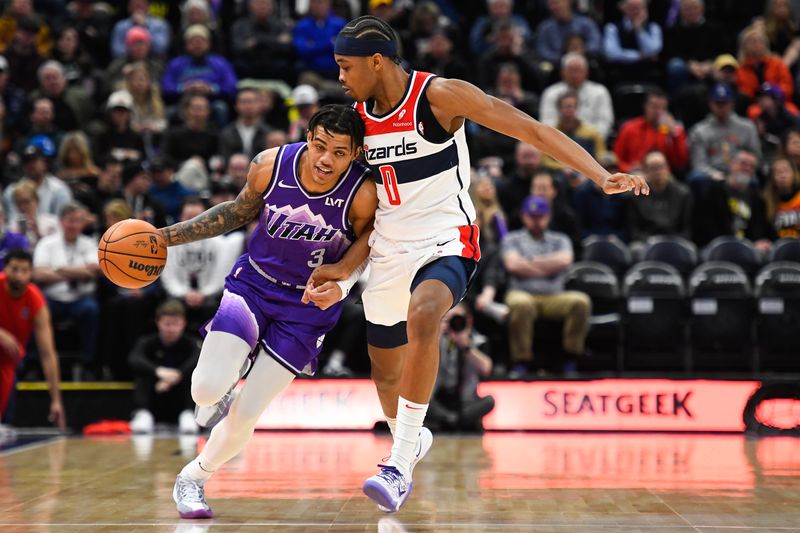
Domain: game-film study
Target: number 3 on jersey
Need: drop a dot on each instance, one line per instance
(390, 183)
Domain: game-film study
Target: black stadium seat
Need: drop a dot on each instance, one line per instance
(738, 251)
(654, 317)
(675, 251)
(785, 250)
(607, 250)
(778, 304)
(600, 283)
(721, 310)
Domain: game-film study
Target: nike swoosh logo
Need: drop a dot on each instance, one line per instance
(415, 408)
(282, 185)
(443, 243)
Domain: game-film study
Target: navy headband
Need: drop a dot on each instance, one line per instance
(350, 46)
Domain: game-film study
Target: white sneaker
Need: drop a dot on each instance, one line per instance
(424, 444)
(142, 422)
(186, 423)
(190, 498)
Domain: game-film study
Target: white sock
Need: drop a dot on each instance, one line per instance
(410, 417)
(392, 422)
(194, 470)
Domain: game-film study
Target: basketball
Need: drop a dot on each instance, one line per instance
(132, 253)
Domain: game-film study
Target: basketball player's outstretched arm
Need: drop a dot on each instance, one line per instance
(227, 216)
(453, 100)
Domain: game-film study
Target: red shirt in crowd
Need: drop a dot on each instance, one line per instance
(17, 314)
(637, 137)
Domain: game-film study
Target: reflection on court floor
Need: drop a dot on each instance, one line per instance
(498, 482)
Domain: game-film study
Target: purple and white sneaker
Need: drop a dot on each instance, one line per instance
(389, 488)
(190, 498)
(424, 444)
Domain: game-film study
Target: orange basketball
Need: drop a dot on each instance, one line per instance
(132, 253)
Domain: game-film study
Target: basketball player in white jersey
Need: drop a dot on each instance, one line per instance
(424, 248)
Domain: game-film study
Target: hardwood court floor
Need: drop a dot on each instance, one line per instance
(310, 482)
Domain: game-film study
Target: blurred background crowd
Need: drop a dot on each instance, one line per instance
(153, 110)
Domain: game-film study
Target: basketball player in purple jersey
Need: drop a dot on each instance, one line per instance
(424, 246)
(313, 201)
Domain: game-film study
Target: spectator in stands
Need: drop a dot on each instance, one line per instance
(482, 36)
(516, 185)
(236, 171)
(166, 190)
(305, 100)
(632, 46)
(562, 217)
(717, 138)
(552, 33)
(136, 182)
(594, 101)
(534, 258)
(489, 215)
(195, 272)
(782, 198)
(77, 169)
(110, 180)
(426, 18)
(148, 117)
(313, 38)
(758, 65)
(23, 311)
(200, 72)
(23, 57)
(73, 107)
(10, 240)
(162, 364)
(780, 24)
(773, 117)
(455, 404)
(668, 208)
(52, 192)
(246, 134)
(275, 138)
(13, 99)
(194, 142)
(159, 29)
(42, 123)
(508, 47)
(441, 59)
(29, 221)
(16, 12)
(569, 123)
(198, 12)
(691, 45)
(78, 65)
(93, 21)
(790, 146)
(65, 266)
(137, 50)
(117, 139)
(657, 130)
(599, 213)
(261, 43)
(734, 206)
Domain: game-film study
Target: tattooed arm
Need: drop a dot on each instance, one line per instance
(227, 216)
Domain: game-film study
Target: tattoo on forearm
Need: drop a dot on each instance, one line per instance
(220, 219)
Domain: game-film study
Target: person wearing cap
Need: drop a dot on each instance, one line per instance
(690, 46)
(137, 49)
(9, 239)
(760, 65)
(655, 129)
(714, 140)
(313, 36)
(118, 139)
(247, 134)
(136, 182)
(534, 258)
(201, 72)
(305, 101)
(773, 116)
(158, 28)
(261, 43)
(53, 193)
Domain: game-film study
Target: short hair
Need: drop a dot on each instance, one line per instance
(574, 56)
(656, 92)
(566, 94)
(193, 200)
(338, 118)
(171, 307)
(47, 65)
(372, 28)
(71, 207)
(20, 254)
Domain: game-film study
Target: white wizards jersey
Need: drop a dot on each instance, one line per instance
(421, 170)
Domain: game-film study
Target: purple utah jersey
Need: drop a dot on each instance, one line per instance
(300, 230)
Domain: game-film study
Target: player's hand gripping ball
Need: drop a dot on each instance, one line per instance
(132, 253)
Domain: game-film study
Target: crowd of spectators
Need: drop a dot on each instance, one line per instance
(152, 110)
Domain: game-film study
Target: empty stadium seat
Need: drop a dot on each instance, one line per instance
(600, 283)
(609, 251)
(785, 250)
(675, 251)
(654, 317)
(721, 323)
(738, 251)
(778, 310)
